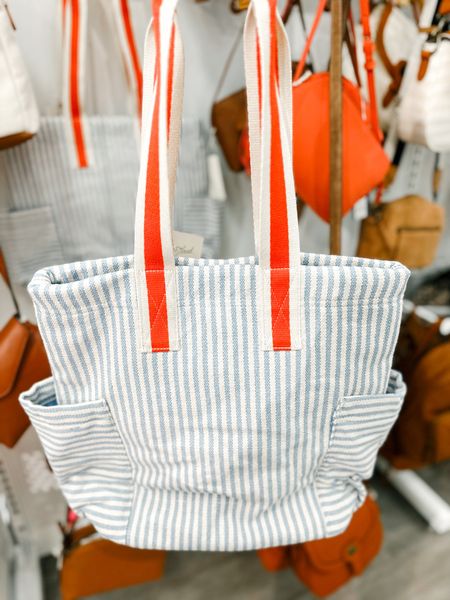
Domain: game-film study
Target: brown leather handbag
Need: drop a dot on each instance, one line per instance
(229, 118)
(407, 230)
(326, 565)
(421, 435)
(23, 362)
(92, 565)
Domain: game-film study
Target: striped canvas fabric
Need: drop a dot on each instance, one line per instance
(219, 446)
(217, 404)
(69, 194)
(51, 213)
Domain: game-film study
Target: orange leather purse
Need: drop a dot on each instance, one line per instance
(92, 565)
(365, 163)
(23, 362)
(274, 559)
(326, 565)
(229, 118)
(364, 160)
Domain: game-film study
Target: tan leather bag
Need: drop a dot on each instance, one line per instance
(23, 362)
(93, 566)
(407, 230)
(421, 435)
(229, 118)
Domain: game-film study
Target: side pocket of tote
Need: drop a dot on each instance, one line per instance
(360, 427)
(29, 241)
(87, 456)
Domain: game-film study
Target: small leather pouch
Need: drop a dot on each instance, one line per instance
(441, 436)
(229, 118)
(23, 362)
(325, 565)
(92, 565)
(407, 230)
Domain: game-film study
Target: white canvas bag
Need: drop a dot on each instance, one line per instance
(217, 404)
(424, 110)
(19, 117)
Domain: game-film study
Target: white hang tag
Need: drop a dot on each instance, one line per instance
(391, 139)
(7, 306)
(361, 209)
(216, 184)
(187, 244)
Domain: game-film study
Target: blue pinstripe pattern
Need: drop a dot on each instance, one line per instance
(52, 213)
(219, 446)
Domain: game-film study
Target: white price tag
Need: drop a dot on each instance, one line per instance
(216, 185)
(361, 209)
(187, 244)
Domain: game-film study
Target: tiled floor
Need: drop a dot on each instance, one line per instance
(413, 565)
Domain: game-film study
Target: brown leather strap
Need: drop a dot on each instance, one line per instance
(288, 10)
(437, 28)
(4, 274)
(350, 42)
(425, 56)
(379, 40)
(395, 71)
(3, 270)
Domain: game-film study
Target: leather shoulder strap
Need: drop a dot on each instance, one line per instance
(368, 47)
(3, 270)
(379, 40)
(395, 71)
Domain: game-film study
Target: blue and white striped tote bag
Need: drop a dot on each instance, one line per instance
(217, 404)
(68, 194)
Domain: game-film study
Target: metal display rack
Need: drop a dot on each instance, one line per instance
(31, 506)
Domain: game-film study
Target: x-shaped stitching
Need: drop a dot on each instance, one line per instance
(282, 313)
